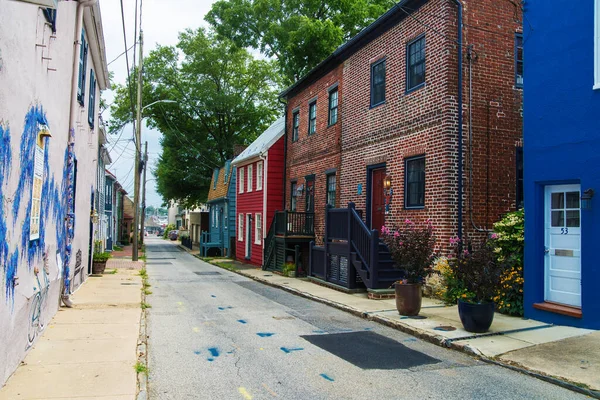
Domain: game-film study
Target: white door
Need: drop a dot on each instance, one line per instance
(248, 235)
(562, 260)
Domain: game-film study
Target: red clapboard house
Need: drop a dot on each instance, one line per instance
(260, 170)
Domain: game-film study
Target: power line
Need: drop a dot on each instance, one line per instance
(120, 55)
(127, 61)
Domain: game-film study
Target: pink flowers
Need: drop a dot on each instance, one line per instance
(454, 240)
(396, 234)
(494, 236)
(385, 230)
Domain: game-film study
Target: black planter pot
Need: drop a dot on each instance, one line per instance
(476, 317)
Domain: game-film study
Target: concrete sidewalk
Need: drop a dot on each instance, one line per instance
(88, 351)
(570, 354)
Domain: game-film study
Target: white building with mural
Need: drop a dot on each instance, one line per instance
(52, 69)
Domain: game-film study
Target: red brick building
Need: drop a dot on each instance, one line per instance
(259, 191)
(399, 118)
(313, 137)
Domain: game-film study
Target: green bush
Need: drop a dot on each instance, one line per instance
(509, 239)
(169, 228)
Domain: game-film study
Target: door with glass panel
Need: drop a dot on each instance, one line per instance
(562, 253)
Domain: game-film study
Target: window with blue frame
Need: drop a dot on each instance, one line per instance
(518, 60)
(312, 117)
(217, 170)
(50, 14)
(92, 100)
(378, 83)
(414, 182)
(333, 106)
(415, 64)
(83, 51)
(296, 122)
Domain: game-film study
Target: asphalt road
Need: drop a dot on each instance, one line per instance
(214, 334)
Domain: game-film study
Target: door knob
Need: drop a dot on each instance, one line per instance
(546, 251)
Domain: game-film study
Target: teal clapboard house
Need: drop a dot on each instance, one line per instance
(221, 202)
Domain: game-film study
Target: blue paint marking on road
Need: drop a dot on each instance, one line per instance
(289, 350)
(368, 329)
(319, 331)
(265, 334)
(242, 321)
(410, 340)
(214, 352)
(327, 377)
(225, 308)
(213, 296)
(197, 352)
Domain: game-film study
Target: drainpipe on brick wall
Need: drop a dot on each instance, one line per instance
(285, 146)
(460, 117)
(470, 57)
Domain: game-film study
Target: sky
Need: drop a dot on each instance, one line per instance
(162, 20)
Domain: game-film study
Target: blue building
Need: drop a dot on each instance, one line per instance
(221, 202)
(562, 161)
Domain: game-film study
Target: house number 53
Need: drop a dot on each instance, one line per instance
(564, 231)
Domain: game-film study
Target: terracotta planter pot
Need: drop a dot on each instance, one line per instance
(408, 298)
(476, 318)
(98, 267)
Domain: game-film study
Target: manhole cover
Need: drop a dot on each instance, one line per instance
(444, 328)
(207, 273)
(370, 350)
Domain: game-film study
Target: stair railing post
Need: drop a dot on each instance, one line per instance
(285, 220)
(296, 254)
(374, 257)
(311, 245)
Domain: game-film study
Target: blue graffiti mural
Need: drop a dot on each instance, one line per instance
(11, 276)
(5, 160)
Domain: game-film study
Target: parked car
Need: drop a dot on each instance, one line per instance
(173, 235)
(160, 232)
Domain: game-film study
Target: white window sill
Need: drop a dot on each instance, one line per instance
(597, 86)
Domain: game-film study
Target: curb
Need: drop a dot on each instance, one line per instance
(426, 336)
(142, 352)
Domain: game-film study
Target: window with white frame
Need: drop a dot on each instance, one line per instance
(225, 216)
(249, 189)
(597, 44)
(257, 229)
(241, 180)
(259, 175)
(240, 227)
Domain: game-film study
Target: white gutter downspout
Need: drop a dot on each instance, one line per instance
(73, 111)
(264, 158)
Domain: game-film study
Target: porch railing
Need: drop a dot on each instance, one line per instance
(292, 223)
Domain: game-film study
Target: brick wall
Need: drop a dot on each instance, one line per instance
(318, 152)
(424, 121)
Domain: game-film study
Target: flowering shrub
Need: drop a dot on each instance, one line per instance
(437, 284)
(411, 249)
(509, 242)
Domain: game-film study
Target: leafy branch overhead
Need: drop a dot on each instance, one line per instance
(222, 97)
(298, 33)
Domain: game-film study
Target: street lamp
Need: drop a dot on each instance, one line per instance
(136, 196)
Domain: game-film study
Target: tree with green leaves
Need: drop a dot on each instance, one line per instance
(298, 33)
(219, 96)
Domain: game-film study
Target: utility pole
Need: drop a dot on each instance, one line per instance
(138, 151)
(143, 223)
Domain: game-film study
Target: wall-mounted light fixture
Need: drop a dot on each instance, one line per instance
(586, 199)
(387, 182)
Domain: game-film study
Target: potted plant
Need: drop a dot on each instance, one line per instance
(478, 272)
(412, 251)
(289, 269)
(99, 264)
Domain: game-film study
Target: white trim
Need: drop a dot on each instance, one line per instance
(257, 225)
(241, 180)
(240, 227)
(249, 171)
(259, 180)
(597, 45)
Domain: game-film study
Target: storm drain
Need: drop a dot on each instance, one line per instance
(369, 350)
(207, 273)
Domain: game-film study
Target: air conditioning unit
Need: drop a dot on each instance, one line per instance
(42, 3)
